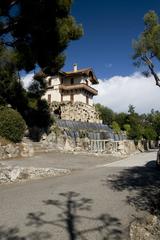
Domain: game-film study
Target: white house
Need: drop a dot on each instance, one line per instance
(74, 86)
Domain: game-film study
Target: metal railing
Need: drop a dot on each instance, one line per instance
(103, 145)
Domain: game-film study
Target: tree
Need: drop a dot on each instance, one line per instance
(153, 120)
(121, 119)
(149, 133)
(106, 114)
(135, 121)
(11, 89)
(147, 46)
(39, 31)
(131, 109)
(127, 128)
(116, 128)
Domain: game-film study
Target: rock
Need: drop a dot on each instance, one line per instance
(147, 228)
(44, 137)
(51, 138)
(27, 150)
(14, 174)
(68, 146)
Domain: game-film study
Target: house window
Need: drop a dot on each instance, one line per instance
(72, 81)
(72, 98)
(87, 100)
(49, 82)
(61, 97)
(49, 98)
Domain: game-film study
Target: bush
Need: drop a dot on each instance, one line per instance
(12, 125)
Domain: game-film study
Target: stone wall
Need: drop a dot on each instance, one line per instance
(63, 142)
(128, 146)
(77, 111)
(12, 150)
(58, 140)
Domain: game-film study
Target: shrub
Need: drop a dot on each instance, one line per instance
(12, 125)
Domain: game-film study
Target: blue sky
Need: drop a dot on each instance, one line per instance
(109, 28)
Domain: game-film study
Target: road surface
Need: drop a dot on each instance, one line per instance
(91, 203)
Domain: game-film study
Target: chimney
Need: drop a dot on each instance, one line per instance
(75, 67)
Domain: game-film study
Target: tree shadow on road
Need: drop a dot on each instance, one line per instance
(143, 184)
(74, 220)
(14, 234)
(75, 217)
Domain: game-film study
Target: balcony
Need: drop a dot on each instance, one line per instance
(78, 87)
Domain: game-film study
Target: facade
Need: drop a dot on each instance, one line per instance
(71, 91)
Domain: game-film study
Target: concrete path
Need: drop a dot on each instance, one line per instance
(89, 204)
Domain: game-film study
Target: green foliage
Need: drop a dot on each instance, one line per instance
(127, 128)
(39, 114)
(106, 114)
(11, 89)
(154, 119)
(40, 31)
(135, 122)
(136, 132)
(135, 125)
(116, 127)
(121, 119)
(12, 125)
(149, 133)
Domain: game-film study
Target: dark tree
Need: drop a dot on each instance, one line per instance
(106, 114)
(11, 89)
(39, 31)
(33, 32)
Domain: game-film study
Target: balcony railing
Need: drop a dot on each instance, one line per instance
(78, 86)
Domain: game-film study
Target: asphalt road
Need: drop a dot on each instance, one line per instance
(98, 201)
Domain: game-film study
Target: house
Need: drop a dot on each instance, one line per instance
(74, 86)
(70, 94)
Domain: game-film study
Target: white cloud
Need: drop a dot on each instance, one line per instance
(26, 80)
(118, 92)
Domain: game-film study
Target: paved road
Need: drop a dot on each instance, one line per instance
(62, 160)
(89, 204)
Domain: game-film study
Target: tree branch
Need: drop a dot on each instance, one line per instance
(151, 68)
